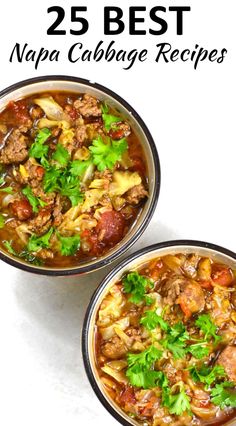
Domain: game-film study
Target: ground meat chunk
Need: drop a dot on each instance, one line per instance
(187, 293)
(136, 194)
(120, 130)
(22, 209)
(36, 112)
(15, 149)
(114, 349)
(57, 210)
(45, 254)
(227, 359)
(30, 173)
(81, 134)
(41, 223)
(107, 174)
(88, 106)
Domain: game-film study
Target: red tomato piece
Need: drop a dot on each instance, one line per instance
(22, 209)
(222, 276)
(20, 110)
(110, 227)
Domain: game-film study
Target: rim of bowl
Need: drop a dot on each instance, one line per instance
(95, 298)
(97, 264)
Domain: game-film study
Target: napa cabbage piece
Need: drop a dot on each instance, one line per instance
(92, 198)
(82, 154)
(78, 224)
(110, 331)
(119, 376)
(123, 182)
(66, 137)
(111, 307)
(45, 122)
(51, 108)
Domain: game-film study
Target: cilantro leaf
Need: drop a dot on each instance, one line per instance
(178, 403)
(38, 149)
(198, 350)
(37, 243)
(136, 285)
(143, 378)
(7, 189)
(35, 202)
(10, 249)
(140, 373)
(151, 320)
(109, 119)
(50, 179)
(105, 155)
(209, 329)
(69, 245)
(223, 395)
(175, 340)
(78, 167)
(69, 186)
(2, 220)
(207, 375)
(61, 155)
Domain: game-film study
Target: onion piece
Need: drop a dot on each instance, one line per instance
(51, 108)
(9, 198)
(117, 375)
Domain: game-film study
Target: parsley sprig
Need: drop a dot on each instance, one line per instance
(209, 329)
(109, 119)
(206, 374)
(35, 202)
(223, 395)
(38, 149)
(106, 154)
(137, 285)
(140, 368)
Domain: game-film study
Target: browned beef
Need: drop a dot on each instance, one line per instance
(88, 106)
(227, 359)
(81, 134)
(57, 210)
(15, 149)
(33, 174)
(136, 194)
(114, 349)
(41, 223)
(22, 209)
(119, 131)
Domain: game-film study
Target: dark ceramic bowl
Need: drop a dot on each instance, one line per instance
(73, 84)
(132, 262)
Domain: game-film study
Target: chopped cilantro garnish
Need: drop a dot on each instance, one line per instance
(137, 285)
(140, 372)
(109, 119)
(199, 350)
(38, 149)
(69, 186)
(2, 220)
(7, 189)
(35, 202)
(105, 155)
(178, 403)
(78, 167)
(37, 243)
(61, 155)
(10, 249)
(223, 395)
(50, 179)
(151, 320)
(175, 340)
(207, 375)
(209, 329)
(69, 245)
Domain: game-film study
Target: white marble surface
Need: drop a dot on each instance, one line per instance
(191, 115)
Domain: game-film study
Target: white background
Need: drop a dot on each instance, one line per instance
(191, 115)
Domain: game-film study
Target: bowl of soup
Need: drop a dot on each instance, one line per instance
(79, 175)
(159, 337)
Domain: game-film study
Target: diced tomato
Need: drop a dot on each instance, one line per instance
(128, 396)
(92, 240)
(148, 410)
(110, 227)
(116, 134)
(20, 110)
(185, 309)
(222, 276)
(155, 269)
(40, 172)
(207, 285)
(22, 209)
(138, 165)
